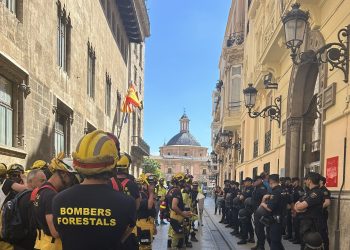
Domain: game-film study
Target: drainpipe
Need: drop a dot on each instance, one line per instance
(337, 230)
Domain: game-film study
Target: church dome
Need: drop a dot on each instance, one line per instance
(184, 138)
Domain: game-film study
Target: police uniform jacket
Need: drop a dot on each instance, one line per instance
(275, 202)
(258, 194)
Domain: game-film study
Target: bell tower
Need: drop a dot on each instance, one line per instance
(184, 123)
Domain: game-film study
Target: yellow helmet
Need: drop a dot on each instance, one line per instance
(95, 153)
(178, 177)
(124, 161)
(15, 168)
(63, 164)
(39, 164)
(3, 169)
(150, 178)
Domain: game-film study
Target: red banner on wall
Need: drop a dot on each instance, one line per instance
(332, 172)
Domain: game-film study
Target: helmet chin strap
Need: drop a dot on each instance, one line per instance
(64, 183)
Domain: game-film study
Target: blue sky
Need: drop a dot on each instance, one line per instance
(181, 69)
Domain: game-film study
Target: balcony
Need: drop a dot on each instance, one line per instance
(267, 146)
(256, 149)
(139, 147)
(231, 118)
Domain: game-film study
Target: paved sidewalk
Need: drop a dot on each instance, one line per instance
(205, 237)
(214, 236)
(210, 208)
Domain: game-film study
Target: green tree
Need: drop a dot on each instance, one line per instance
(151, 166)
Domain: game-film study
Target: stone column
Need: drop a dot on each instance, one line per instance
(294, 124)
(23, 92)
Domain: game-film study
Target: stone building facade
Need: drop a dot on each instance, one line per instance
(314, 106)
(64, 70)
(183, 153)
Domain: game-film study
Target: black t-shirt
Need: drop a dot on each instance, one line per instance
(43, 206)
(26, 212)
(143, 211)
(131, 187)
(91, 217)
(176, 193)
(7, 186)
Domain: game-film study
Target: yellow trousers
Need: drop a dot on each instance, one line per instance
(146, 225)
(45, 242)
(5, 246)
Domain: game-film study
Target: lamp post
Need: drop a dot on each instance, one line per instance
(273, 111)
(336, 54)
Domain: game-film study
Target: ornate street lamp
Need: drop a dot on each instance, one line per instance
(227, 141)
(336, 54)
(273, 111)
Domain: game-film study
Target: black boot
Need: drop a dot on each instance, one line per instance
(242, 242)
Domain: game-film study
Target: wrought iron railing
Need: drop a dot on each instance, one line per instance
(256, 149)
(141, 144)
(236, 38)
(267, 146)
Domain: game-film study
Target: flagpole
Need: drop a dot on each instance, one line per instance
(121, 125)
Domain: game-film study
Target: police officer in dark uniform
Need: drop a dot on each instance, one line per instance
(326, 204)
(297, 194)
(259, 192)
(273, 203)
(228, 205)
(311, 207)
(236, 206)
(226, 190)
(247, 227)
(287, 191)
(234, 192)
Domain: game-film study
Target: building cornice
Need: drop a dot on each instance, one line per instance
(135, 19)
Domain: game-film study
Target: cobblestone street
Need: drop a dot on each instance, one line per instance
(214, 235)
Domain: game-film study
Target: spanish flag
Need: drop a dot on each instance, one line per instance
(131, 100)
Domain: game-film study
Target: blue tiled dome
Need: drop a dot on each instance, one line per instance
(183, 138)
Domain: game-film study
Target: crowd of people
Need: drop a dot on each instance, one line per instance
(280, 207)
(91, 202)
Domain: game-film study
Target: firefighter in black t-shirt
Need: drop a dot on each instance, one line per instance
(177, 211)
(92, 215)
(310, 207)
(64, 176)
(8, 189)
(126, 183)
(145, 224)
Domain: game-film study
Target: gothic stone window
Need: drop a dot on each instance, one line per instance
(108, 94)
(13, 91)
(63, 37)
(91, 71)
(6, 112)
(63, 121)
